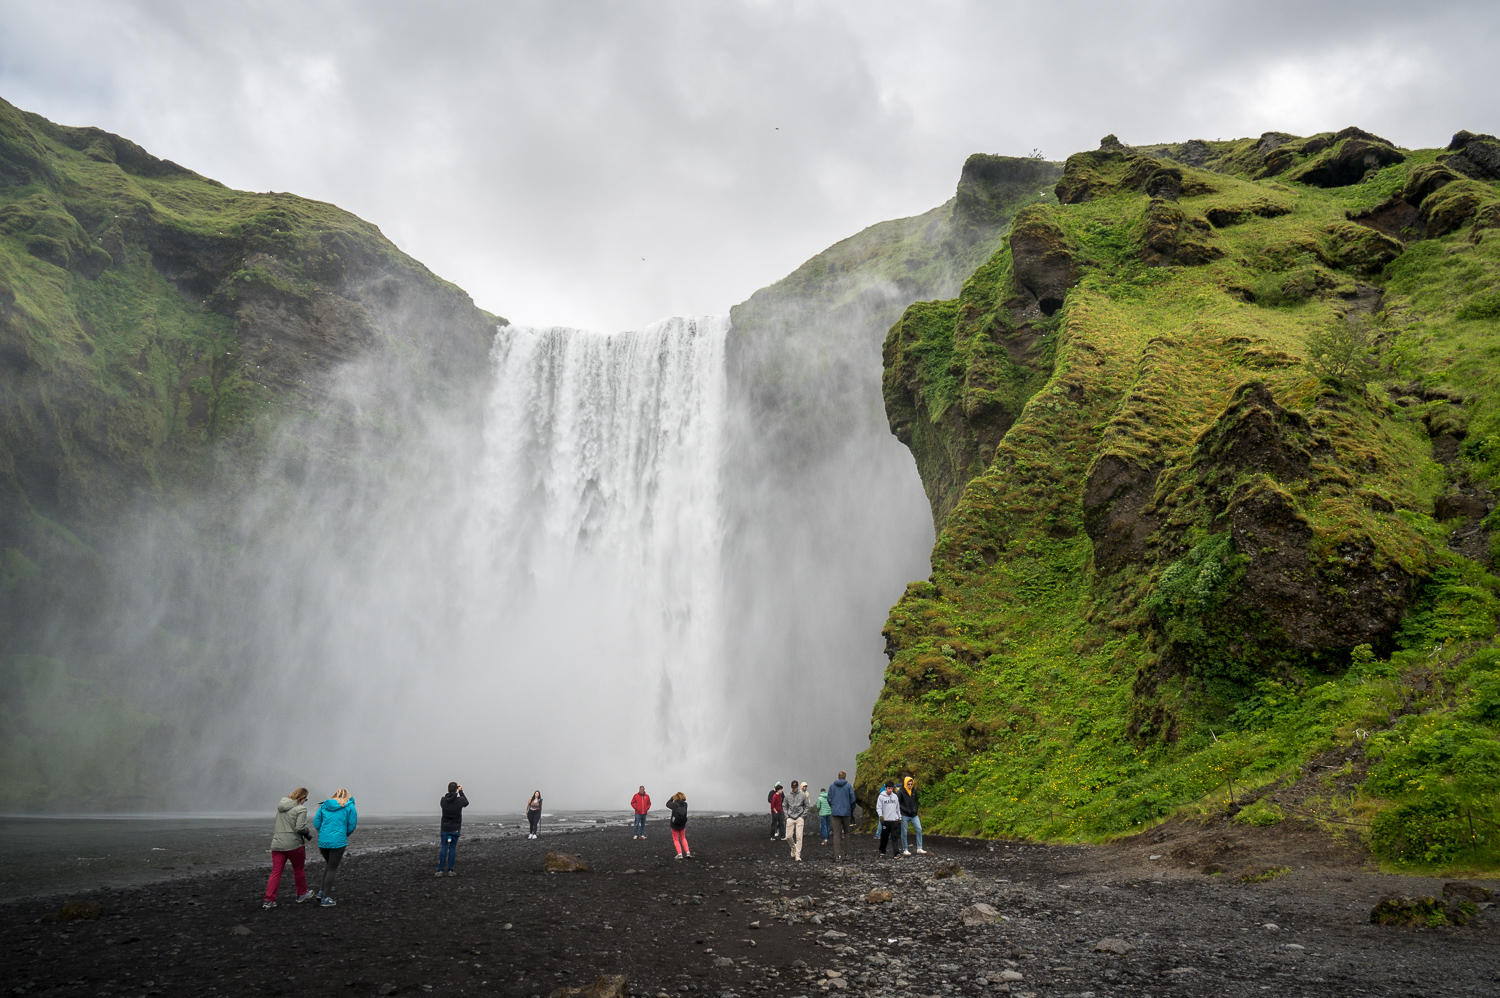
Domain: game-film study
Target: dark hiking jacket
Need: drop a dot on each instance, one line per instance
(453, 812)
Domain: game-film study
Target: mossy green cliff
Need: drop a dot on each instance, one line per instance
(1179, 544)
(156, 328)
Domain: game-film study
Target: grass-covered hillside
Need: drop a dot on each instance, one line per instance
(155, 329)
(1212, 443)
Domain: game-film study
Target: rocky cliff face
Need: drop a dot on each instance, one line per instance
(1211, 443)
(156, 329)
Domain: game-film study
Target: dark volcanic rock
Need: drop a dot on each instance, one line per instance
(1356, 153)
(1114, 496)
(1254, 433)
(1476, 156)
(1395, 216)
(1042, 265)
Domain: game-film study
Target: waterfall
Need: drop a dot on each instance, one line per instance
(596, 530)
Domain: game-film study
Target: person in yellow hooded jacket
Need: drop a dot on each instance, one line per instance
(907, 798)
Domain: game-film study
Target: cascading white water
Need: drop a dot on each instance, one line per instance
(596, 531)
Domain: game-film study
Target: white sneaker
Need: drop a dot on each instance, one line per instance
(921, 851)
(906, 853)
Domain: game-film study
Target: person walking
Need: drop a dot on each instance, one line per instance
(678, 806)
(888, 810)
(907, 797)
(640, 804)
(289, 845)
(335, 821)
(452, 805)
(795, 807)
(534, 812)
(824, 814)
(841, 810)
(778, 815)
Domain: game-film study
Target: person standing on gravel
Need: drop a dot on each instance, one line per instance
(841, 810)
(888, 809)
(778, 816)
(534, 812)
(289, 845)
(452, 806)
(795, 807)
(824, 814)
(335, 821)
(678, 806)
(907, 796)
(640, 804)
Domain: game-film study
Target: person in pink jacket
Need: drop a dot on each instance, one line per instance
(640, 804)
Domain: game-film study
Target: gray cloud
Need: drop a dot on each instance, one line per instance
(535, 153)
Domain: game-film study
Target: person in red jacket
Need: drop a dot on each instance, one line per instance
(778, 819)
(640, 804)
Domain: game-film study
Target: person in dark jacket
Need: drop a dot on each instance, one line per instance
(778, 816)
(906, 796)
(841, 810)
(452, 805)
(678, 806)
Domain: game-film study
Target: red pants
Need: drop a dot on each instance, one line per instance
(679, 839)
(296, 857)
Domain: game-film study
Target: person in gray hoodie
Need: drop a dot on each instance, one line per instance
(795, 805)
(289, 845)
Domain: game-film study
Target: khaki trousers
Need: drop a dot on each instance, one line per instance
(794, 836)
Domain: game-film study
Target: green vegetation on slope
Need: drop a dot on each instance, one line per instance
(1194, 558)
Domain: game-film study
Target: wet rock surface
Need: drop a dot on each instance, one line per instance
(1070, 921)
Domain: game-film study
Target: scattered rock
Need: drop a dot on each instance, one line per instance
(755, 924)
(723, 961)
(608, 986)
(562, 862)
(1012, 975)
(1401, 909)
(1293, 946)
(507, 925)
(979, 914)
(1110, 944)
(1467, 892)
(1270, 926)
(878, 897)
(833, 934)
(240, 930)
(386, 989)
(947, 870)
(73, 911)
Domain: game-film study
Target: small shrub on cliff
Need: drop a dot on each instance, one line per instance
(1339, 353)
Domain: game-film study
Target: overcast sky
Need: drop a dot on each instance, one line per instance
(608, 164)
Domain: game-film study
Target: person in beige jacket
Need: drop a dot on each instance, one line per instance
(288, 845)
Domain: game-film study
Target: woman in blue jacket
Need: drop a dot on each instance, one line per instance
(335, 821)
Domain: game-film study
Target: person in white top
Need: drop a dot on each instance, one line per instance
(888, 809)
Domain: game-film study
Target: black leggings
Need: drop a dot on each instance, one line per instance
(534, 817)
(331, 860)
(890, 831)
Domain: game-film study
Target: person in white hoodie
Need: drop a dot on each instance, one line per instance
(888, 808)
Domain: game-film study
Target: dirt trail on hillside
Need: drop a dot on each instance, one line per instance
(504, 927)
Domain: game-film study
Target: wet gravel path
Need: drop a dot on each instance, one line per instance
(741, 919)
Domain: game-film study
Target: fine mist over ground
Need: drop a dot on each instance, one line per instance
(380, 540)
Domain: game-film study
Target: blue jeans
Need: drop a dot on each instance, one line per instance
(825, 826)
(915, 821)
(447, 849)
(639, 827)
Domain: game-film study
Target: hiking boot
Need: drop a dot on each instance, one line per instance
(269, 904)
(440, 873)
(328, 902)
(305, 897)
(452, 873)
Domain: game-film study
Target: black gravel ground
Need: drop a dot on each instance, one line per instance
(740, 919)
